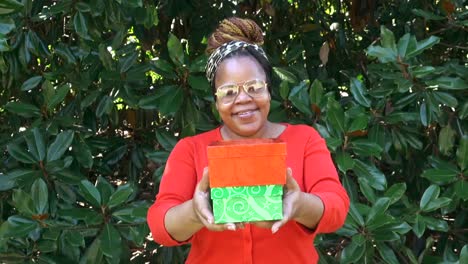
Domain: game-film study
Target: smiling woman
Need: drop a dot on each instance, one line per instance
(314, 200)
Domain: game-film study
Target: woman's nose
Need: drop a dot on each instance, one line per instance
(243, 96)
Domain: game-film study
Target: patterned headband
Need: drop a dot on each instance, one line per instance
(221, 52)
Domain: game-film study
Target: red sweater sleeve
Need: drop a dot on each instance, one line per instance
(177, 186)
(321, 179)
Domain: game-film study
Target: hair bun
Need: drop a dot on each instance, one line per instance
(235, 28)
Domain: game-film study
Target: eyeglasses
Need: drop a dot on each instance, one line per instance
(227, 93)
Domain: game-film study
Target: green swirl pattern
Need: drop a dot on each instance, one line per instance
(247, 203)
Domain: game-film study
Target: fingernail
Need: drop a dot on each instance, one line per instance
(274, 230)
(231, 227)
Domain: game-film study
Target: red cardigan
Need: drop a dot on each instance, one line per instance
(313, 169)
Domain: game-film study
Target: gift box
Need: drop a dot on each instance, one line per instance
(246, 179)
(247, 203)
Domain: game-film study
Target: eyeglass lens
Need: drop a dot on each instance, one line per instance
(227, 93)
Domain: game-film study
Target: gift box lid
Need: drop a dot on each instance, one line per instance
(246, 191)
(249, 162)
(257, 147)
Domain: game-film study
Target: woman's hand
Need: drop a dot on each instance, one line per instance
(291, 200)
(202, 207)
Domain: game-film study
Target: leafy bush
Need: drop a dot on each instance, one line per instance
(96, 93)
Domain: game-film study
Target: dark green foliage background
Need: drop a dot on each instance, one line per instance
(94, 95)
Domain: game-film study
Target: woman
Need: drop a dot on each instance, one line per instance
(314, 201)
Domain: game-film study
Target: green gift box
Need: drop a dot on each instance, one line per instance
(247, 203)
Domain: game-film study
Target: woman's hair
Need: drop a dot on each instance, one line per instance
(240, 29)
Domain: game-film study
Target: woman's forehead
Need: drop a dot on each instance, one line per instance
(239, 69)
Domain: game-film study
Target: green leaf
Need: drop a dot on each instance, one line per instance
(16, 177)
(176, 52)
(300, 99)
(421, 71)
(445, 98)
(90, 99)
(358, 90)
(20, 226)
(440, 176)
(435, 224)
(40, 196)
(110, 241)
(446, 140)
(366, 148)
(60, 145)
(90, 193)
(379, 208)
(423, 45)
(199, 83)
(120, 195)
(81, 25)
(384, 55)
(104, 106)
(359, 123)
(64, 51)
(126, 62)
(356, 214)
(352, 253)
(164, 68)
(427, 15)
(105, 56)
(69, 177)
(82, 153)
(462, 153)
(23, 109)
(285, 75)
(158, 156)
(335, 115)
(316, 92)
(46, 246)
(395, 192)
(20, 154)
(74, 238)
(344, 161)
(135, 215)
(10, 6)
(166, 139)
(461, 189)
(387, 254)
(171, 101)
(429, 195)
(31, 83)
(36, 145)
(7, 24)
(419, 226)
(104, 188)
(463, 255)
(93, 253)
(424, 114)
(449, 83)
(367, 190)
(369, 172)
(77, 213)
(59, 96)
(387, 39)
(23, 202)
(116, 154)
(437, 204)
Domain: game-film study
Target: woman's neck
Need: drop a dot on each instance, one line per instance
(269, 130)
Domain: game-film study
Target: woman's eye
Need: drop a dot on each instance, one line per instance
(230, 92)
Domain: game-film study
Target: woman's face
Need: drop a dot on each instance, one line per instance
(245, 116)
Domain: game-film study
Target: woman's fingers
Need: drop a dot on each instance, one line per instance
(202, 207)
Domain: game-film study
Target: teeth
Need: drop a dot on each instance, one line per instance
(244, 113)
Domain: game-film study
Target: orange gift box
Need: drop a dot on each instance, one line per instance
(248, 162)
